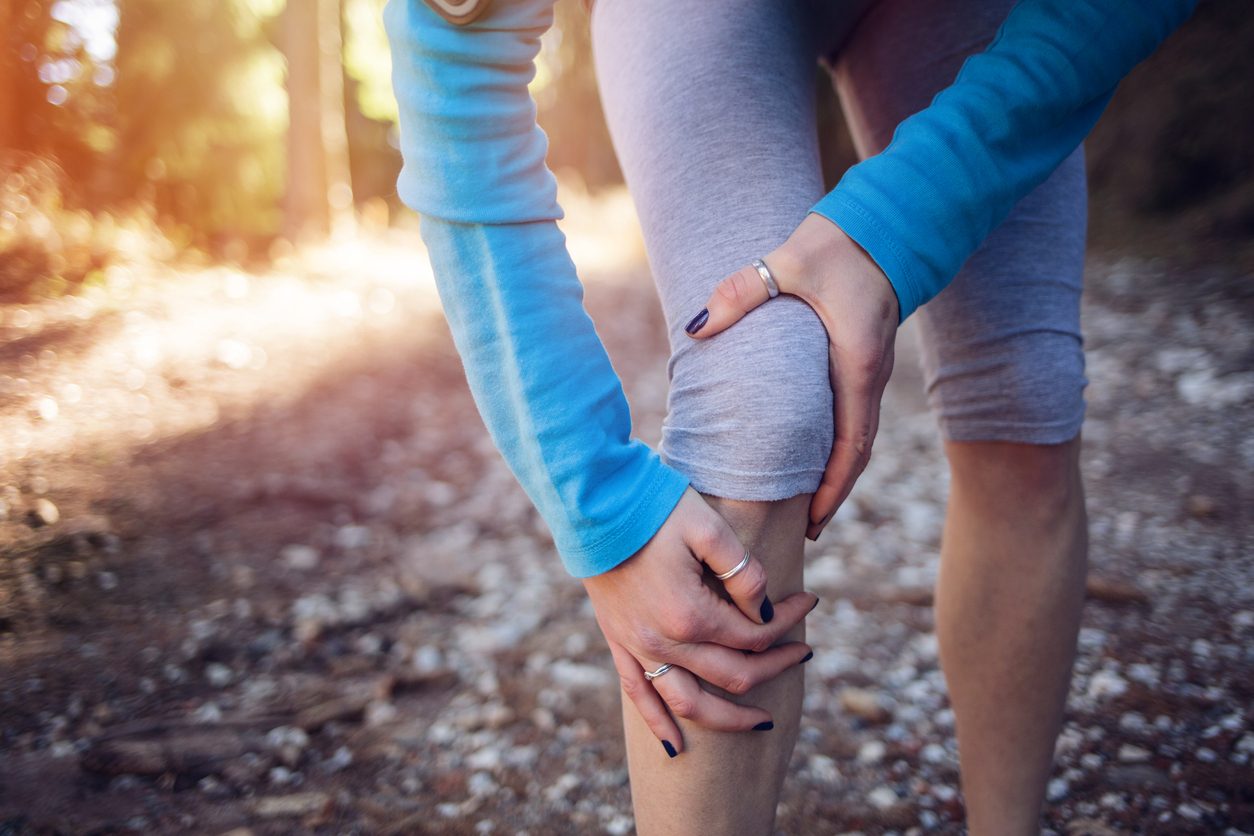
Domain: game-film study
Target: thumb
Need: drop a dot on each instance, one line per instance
(734, 297)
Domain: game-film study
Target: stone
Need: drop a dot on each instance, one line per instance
(882, 798)
(42, 512)
(864, 703)
(296, 804)
(1133, 754)
(872, 752)
(299, 557)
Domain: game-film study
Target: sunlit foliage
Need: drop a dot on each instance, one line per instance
(202, 112)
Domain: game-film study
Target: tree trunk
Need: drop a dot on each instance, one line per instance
(334, 129)
(319, 194)
(8, 75)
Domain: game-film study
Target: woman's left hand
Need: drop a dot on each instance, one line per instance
(823, 266)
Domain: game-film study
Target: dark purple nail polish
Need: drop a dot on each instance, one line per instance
(767, 726)
(806, 658)
(670, 750)
(768, 610)
(815, 604)
(698, 322)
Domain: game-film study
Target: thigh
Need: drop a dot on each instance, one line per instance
(1001, 346)
(711, 109)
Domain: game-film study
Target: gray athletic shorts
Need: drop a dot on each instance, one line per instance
(711, 108)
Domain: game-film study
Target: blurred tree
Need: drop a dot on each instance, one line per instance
(319, 192)
(201, 115)
(8, 57)
(54, 81)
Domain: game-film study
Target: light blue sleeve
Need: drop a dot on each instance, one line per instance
(474, 169)
(955, 169)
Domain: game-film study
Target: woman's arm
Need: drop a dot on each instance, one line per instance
(903, 222)
(955, 170)
(474, 169)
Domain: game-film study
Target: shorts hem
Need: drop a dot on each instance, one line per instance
(748, 487)
(968, 431)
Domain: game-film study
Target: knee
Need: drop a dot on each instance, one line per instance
(1040, 480)
(751, 410)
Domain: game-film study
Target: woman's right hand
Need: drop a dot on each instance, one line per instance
(655, 608)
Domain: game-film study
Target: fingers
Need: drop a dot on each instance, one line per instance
(857, 387)
(689, 701)
(647, 700)
(724, 625)
(738, 672)
(715, 544)
(734, 297)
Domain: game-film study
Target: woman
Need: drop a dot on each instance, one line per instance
(711, 111)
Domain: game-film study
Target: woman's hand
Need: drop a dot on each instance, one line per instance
(825, 267)
(655, 609)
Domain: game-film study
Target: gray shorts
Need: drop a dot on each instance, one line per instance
(711, 108)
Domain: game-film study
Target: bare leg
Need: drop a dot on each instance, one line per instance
(729, 783)
(1008, 604)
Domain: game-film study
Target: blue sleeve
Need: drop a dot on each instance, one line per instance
(955, 170)
(474, 169)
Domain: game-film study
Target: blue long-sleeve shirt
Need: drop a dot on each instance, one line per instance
(474, 169)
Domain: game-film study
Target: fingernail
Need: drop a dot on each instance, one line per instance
(806, 658)
(768, 610)
(698, 322)
(670, 750)
(767, 726)
(815, 604)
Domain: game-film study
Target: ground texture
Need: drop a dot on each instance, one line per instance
(262, 571)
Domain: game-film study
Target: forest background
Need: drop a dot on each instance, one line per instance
(231, 130)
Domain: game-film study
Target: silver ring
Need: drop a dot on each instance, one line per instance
(767, 279)
(652, 675)
(744, 561)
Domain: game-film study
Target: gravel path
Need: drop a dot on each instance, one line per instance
(262, 571)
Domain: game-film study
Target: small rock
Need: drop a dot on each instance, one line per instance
(218, 674)
(297, 804)
(1057, 789)
(1113, 590)
(42, 513)
(341, 760)
(1106, 684)
(1200, 505)
(872, 752)
(824, 770)
(108, 581)
(1133, 754)
(300, 557)
(863, 703)
(882, 798)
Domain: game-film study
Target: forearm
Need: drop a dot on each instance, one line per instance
(546, 390)
(474, 169)
(955, 169)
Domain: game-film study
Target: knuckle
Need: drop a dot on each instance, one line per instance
(704, 537)
(654, 645)
(739, 683)
(684, 627)
(682, 706)
(632, 687)
(755, 580)
(736, 290)
(763, 643)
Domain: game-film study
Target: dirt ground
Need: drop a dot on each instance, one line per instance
(262, 571)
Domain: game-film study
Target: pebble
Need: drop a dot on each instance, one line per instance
(882, 798)
(1133, 754)
(864, 703)
(871, 752)
(1106, 684)
(302, 558)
